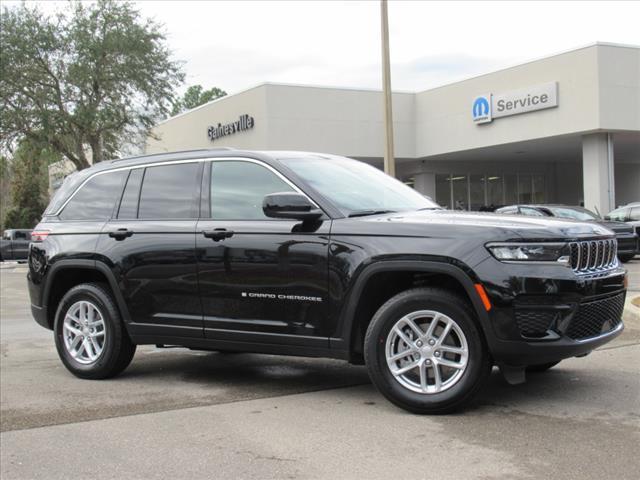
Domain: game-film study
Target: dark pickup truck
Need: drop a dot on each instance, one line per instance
(15, 245)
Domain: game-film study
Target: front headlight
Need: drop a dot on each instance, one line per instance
(530, 252)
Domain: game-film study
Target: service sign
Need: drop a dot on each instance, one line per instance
(485, 108)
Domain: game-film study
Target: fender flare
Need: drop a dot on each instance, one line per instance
(465, 278)
(62, 265)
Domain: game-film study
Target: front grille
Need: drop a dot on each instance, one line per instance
(534, 323)
(593, 255)
(596, 317)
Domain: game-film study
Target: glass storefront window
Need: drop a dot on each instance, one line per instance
(460, 192)
(488, 191)
(537, 194)
(494, 190)
(510, 189)
(443, 190)
(476, 192)
(524, 188)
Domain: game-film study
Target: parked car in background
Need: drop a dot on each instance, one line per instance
(15, 245)
(625, 234)
(630, 214)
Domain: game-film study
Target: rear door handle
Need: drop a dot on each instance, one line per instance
(218, 234)
(120, 234)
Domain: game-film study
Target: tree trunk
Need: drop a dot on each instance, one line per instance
(96, 149)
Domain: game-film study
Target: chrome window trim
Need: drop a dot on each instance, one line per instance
(186, 160)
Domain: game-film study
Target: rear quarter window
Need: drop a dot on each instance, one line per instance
(96, 198)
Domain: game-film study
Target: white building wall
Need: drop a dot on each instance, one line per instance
(189, 130)
(443, 115)
(619, 88)
(350, 121)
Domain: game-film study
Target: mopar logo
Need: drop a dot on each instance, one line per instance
(482, 109)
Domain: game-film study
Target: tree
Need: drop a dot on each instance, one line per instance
(84, 80)
(29, 184)
(194, 97)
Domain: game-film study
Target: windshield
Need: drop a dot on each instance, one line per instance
(355, 187)
(573, 213)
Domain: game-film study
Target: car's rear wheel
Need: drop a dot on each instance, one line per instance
(425, 352)
(90, 337)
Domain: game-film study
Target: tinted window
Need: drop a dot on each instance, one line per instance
(129, 203)
(620, 214)
(96, 199)
(635, 214)
(573, 213)
(170, 191)
(23, 236)
(531, 212)
(238, 188)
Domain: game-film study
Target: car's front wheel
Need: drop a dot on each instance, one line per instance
(90, 337)
(425, 352)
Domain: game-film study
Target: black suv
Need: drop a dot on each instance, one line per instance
(314, 255)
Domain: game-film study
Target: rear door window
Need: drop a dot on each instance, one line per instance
(96, 199)
(170, 192)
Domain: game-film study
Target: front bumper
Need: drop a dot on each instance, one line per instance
(545, 313)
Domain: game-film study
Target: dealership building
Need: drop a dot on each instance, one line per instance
(561, 129)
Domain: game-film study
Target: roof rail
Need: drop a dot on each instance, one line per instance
(170, 153)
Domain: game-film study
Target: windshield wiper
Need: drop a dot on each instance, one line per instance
(363, 213)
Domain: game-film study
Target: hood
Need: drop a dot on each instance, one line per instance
(488, 226)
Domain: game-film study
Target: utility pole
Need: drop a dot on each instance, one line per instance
(389, 159)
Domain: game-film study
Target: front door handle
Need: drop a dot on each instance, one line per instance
(120, 234)
(218, 234)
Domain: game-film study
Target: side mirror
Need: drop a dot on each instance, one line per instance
(291, 205)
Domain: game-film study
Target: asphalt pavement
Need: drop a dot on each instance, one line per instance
(182, 414)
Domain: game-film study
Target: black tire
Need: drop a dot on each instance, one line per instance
(541, 367)
(626, 258)
(478, 363)
(118, 350)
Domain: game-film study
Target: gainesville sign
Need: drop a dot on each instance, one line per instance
(537, 97)
(244, 122)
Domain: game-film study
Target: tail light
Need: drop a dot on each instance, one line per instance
(39, 235)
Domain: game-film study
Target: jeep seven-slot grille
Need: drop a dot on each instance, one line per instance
(596, 317)
(593, 255)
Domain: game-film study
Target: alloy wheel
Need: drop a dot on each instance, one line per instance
(84, 332)
(427, 352)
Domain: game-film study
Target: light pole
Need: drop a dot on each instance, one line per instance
(389, 159)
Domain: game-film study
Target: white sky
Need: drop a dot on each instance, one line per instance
(236, 45)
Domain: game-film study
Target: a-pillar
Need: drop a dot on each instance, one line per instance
(597, 172)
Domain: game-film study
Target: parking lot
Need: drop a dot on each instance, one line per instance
(175, 413)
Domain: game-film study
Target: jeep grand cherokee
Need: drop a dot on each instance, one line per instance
(315, 255)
